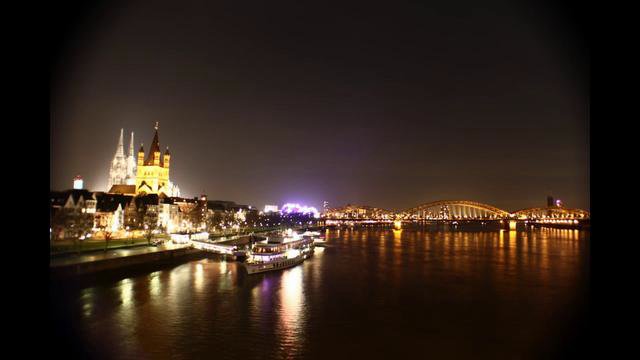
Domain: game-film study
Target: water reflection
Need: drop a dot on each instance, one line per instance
(291, 322)
(524, 282)
(87, 298)
(199, 277)
(126, 292)
(154, 284)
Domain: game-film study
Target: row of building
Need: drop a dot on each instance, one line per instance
(95, 212)
(141, 197)
(351, 211)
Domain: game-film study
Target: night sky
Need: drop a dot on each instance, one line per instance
(384, 105)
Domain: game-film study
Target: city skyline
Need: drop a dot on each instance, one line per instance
(319, 180)
(310, 117)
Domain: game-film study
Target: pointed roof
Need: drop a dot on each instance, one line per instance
(111, 202)
(155, 147)
(120, 150)
(166, 152)
(131, 145)
(123, 189)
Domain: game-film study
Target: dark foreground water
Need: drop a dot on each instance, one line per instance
(372, 293)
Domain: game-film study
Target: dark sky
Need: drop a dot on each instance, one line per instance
(385, 105)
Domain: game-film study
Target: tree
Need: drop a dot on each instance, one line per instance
(150, 222)
(252, 218)
(107, 237)
(76, 224)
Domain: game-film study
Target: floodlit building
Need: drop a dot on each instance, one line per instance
(351, 211)
(123, 168)
(78, 184)
(153, 172)
(71, 209)
(110, 211)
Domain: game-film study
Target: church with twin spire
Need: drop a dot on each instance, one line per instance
(148, 175)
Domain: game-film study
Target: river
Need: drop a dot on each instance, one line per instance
(372, 292)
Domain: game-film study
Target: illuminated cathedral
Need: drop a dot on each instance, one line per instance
(144, 176)
(123, 169)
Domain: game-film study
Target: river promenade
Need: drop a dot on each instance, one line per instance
(98, 261)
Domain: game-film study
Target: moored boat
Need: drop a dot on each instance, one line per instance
(279, 253)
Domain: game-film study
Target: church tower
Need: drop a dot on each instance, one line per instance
(118, 170)
(131, 165)
(153, 173)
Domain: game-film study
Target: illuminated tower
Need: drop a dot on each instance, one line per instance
(140, 156)
(118, 170)
(130, 179)
(78, 183)
(153, 173)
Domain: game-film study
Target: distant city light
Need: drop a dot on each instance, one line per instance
(294, 208)
(270, 208)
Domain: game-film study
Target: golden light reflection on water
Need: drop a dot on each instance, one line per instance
(398, 248)
(126, 292)
(154, 284)
(87, 298)
(291, 323)
(199, 277)
(157, 311)
(126, 315)
(397, 235)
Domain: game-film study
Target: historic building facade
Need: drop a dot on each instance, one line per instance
(123, 168)
(153, 172)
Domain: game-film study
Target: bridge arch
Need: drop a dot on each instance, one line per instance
(455, 209)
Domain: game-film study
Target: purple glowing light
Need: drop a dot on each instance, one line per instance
(294, 208)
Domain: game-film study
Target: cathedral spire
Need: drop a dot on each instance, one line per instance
(119, 166)
(131, 145)
(120, 150)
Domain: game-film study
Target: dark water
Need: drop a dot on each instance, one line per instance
(373, 293)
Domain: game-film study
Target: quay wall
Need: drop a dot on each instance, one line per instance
(124, 262)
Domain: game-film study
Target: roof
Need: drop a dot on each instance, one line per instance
(123, 189)
(110, 202)
(155, 147)
(148, 199)
(60, 197)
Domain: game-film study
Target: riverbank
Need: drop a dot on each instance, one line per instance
(90, 264)
(68, 247)
(132, 256)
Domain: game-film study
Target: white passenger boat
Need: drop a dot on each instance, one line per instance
(279, 253)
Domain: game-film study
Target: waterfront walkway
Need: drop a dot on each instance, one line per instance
(111, 254)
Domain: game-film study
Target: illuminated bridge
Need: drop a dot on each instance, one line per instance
(453, 210)
(456, 210)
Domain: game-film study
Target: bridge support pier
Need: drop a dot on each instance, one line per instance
(507, 224)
